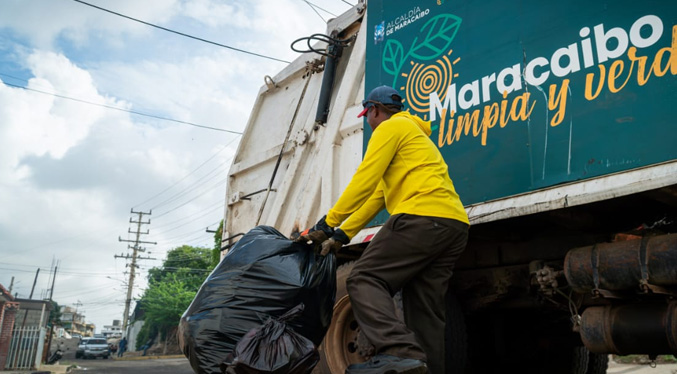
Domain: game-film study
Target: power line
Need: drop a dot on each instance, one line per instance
(200, 230)
(194, 186)
(180, 33)
(313, 6)
(191, 222)
(319, 7)
(347, 2)
(219, 184)
(121, 109)
(192, 217)
(187, 188)
(187, 175)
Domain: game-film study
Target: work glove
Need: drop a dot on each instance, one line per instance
(333, 244)
(317, 234)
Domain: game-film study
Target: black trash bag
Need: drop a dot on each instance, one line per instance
(263, 276)
(273, 348)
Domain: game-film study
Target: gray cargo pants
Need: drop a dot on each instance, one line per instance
(414, 254)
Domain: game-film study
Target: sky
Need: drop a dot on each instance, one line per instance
(101, 115)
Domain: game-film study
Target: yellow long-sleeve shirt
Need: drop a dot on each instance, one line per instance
(404, 172)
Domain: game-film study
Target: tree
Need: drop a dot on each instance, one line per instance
(54, 315)
(194, 262)
(218, 237)
(164, 303)
(171, 289)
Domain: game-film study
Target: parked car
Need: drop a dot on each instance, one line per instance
(96, 347)
(80, 351)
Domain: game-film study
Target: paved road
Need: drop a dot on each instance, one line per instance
(151, 366)
(181, 366)
(615, 368)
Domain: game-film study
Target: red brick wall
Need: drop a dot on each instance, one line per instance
(8, 313)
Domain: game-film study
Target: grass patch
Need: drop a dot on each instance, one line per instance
(644, 359)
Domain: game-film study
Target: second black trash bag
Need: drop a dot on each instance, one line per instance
(264, 275)
(273, 348)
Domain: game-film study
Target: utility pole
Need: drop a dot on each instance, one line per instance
(11, 284)
(75, 314)
(51, 322)
(135, 256)
(23, 324)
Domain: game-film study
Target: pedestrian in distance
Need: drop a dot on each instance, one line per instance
(146, 346)
(122, 346)
(416, 249)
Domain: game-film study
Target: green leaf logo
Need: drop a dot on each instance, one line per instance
(438, 33)
(393, 57)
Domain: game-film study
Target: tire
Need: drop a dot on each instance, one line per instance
(580, 359)
(598, 363)
(342, 343)
(455, 337)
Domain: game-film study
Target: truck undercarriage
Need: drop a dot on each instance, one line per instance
(555, 291)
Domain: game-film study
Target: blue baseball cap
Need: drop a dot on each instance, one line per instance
(381, 95)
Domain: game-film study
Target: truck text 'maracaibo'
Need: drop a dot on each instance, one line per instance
(558, 121)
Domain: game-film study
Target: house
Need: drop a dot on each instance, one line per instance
(8, 309)
(74, 322)
(112, 331)
(23, 329)
(134, 327)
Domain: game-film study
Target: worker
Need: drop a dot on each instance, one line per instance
(416, 249)
(122, 347)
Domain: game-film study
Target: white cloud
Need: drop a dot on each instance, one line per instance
(70, 171)
(42, 21)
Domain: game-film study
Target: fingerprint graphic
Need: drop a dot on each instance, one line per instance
(424, 79)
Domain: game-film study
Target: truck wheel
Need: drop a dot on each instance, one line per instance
(455, 337)
(344, 344)
(598, 363)
(566, 359)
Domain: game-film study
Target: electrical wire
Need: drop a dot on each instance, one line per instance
(61, 271)
(315, 10)
(121, 109)
(180, 33)
(187, 175)
(193, 222)
(191, 232)
(320, 8)
(192, 216)
(220, 183)
(188, 188)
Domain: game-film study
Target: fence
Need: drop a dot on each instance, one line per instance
(25, 348)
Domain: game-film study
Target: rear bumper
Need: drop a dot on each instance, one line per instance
(96, 353)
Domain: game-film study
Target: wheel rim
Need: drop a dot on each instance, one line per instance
(342, 342)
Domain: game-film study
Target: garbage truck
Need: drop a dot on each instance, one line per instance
(558, 121)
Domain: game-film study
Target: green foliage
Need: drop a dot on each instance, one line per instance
(216, 252)
(54, 315)
(147, 331)
(171, 289)
(644, 359)
(167, 300)
(193, 263)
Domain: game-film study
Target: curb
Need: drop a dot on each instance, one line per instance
(149, 357)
